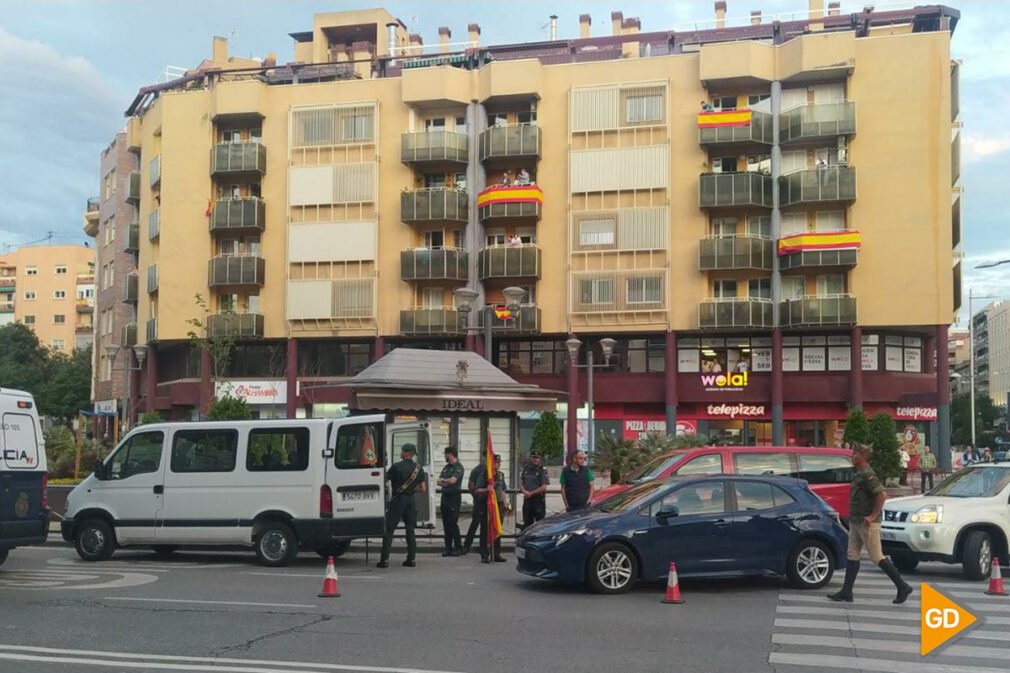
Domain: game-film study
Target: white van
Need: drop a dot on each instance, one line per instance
(277, 486)
(24, 509)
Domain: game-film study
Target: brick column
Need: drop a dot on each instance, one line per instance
(856, 369)
(931, 354)
(670, 379)
(942, 448)
(379, 348)
(151, 378)
(573, 415)
(291, 376)
(778, 416)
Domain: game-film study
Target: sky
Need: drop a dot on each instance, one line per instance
(69, 68)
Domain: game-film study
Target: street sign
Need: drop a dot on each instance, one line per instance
(941, 619)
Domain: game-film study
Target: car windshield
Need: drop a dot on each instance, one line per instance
(974, 482)
(653, 468)
(630, 499)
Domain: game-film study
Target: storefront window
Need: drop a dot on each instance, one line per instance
(901, 353)
(330, 358)
(639, 356)
(532, 357)
(717, 355)
(178, 362)
(257, 361)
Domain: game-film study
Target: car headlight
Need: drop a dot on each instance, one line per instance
(928, 514)
(562, 538)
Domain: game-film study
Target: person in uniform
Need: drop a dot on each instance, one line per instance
(503, 506)
(533, 481)
(577, 483)
(405, 478)
(866, 502)
(451, 482)
(479, 504)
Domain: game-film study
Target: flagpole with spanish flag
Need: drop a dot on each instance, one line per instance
(493, 514)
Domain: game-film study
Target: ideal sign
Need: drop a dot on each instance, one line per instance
(724, 382)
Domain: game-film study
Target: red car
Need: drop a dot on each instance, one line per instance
(828, 471)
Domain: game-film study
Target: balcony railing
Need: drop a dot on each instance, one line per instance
(235, 325)
(133, 187)
(128, 334)
(735, 252)
(435, 204)
(226, 270)
(515, 141)
(8, 281)
(817, 120)
(434, 146)
(154, 224)
(510, 201)
(246, 213)
(735, 189)
(431, 321)
(509, 262)
(759, 130)
(825, 183)
(154, 170)
(132, 242)
(131, 289)
(6, 307)
(817, 311)
(152, 278)
(525, 320)
(735, 313)
(434, 264)
(85, 305)
(818, 258)
(152, 330)
(235, 158)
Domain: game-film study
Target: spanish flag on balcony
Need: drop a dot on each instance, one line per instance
(713, 120)
(510, 194)
(493, 513)
(502, 312)
(828, 240)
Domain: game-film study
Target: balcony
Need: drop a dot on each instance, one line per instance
(237, 215)
(84, 305)
(154, 170)
(817, 121)
(819, 249)
(91, 217)
(434, 204)
(128, 334)
(734, 127)
(154, 224)
(8, 282)
(524, 321)
(435, 148)
(84, 328)
(133, 187)
(152, 279)
(152, 330)
(818, 311)
(131, 289)
(819, 185)
(735, 252)
(132, 242)
(735, 313)
(235, 159)
(234, 270)
(431, 321)
(511, 201)
(6, 307)
(720, 190)
(434, 264)
(235, 325)
(513, 142)
(509, 262)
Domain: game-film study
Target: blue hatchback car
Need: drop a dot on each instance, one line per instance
(713, 526)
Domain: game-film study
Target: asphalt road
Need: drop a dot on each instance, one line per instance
(221, 612)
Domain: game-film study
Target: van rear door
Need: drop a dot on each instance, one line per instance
(419, 434)
(356, 476)
(22, 475)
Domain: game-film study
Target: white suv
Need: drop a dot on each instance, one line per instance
(965, 519)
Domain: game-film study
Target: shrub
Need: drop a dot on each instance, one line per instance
(857, 428)
(618, 456)
(229, 408)
(547, 436)
(886, 458)
(149, 417)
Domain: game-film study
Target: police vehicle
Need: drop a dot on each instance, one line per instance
(24, 510)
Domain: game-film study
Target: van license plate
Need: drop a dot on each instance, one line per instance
(887, 535)
(520, 552)
(357, 495)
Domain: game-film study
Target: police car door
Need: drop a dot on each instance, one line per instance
(417, 433)
(355, 474)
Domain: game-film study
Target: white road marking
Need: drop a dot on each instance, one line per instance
(185, 600)
(903, 646)
(872, 614)
(912, 604)
(55, 579)
(316, 575)
(142, 563)
(894, 629)
(809, 661)
(183, 663)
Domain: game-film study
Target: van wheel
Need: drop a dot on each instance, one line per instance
(612, 569)
(810, 565)
(95, 540)
(3, 555)
(276, 545)
(976, 557)
(164, 550)
(335, 550)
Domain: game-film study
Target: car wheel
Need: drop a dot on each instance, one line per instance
(275, 545)
(905, 563)
(612, 569)
(95, 540)
(335, 550)
(810, 565)
(164, 549)
(3, 555)
(976, 555)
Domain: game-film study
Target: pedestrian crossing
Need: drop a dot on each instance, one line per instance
(812, 633)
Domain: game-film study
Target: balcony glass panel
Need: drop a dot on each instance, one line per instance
(735, 252)
(759, 130)
(133, 187)
(437, 204)
(510, 201)
(826, 183)
(152, 330)
(238, 325)
(131, 289)
(735, 189)
(525, 320)
(815, 311)
(743, 312)
(154, 170)
(436, 146)
(818, 120)
(238, 214)
(434, 264)
(236, 270)
(816, 258)
(152, 278)
(128, 335)
(431, 321)
(154, 224)
(518, 140)
(244, 157)
(509, 262)
(132, 243)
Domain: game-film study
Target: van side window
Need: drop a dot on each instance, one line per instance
(419, 438)
(707, 464)
(824, 469)
(278, 450)
(762, 463)
(141, 454)
(359, 446)
(204, 450)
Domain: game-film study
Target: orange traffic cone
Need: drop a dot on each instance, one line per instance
(996, 581)
(672, 586)
(330, 581)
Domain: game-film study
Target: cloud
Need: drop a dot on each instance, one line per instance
(976, 147)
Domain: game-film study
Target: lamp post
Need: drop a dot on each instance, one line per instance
(465, 297)
(574, 345)
(140, 351)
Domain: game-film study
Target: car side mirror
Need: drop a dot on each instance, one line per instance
(99, 470)
(663, 515)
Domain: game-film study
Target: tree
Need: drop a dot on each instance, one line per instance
(23, 359)
(149, 417)
(617, 455)
(986, 413)
(857, 427)
(67, 387)
(547, 436)
(886, 459)
(61, 451)
(219, 344)
(228, 408)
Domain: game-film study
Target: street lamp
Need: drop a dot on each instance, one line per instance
(574, 345)
(140, 351)
(465, 297)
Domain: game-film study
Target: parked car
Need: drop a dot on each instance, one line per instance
(965, 519)
(827, 470)
(24, 510)
(712, 526)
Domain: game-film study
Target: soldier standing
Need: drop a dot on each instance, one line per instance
(451, 482)
(533, 481)
(405, 477)
(503, 506)
(866, 501)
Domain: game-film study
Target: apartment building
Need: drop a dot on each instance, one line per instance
(992, 351)
(51, 289)
(777, 200)
(959, 354)
(111, 220)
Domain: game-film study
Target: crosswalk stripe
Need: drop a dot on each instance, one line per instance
(808, 661)
(902, 646)
(833, 625)
(872, 614)
(912, 604)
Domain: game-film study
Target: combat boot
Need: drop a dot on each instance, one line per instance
(845, 594)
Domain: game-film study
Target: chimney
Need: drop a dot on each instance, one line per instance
(816, 15)
(616, 21)
(219, 52)
(585, 21)
(416, 44)
(474, 29)
(391, 38)
(630, 27)
(554, 27)
(444, 37)
(720, 14)
(755, 17)
(834, 8)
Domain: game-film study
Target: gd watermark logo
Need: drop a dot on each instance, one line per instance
(941, 619)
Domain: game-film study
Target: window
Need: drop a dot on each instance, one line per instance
(640, 356)
(30, 295)
(433, 181)
(532, 357)
(645, 290)
(59, 319)
(61, 270)
(434, 124)
(495, 240)
(724, 227)
(110, 230)
(59, 294)
(709, 464)
(278, 450)
(204, 450)
(358, 124)
(724, 103)
(460, 124)
(434, 239)
(823, 469)
(794, 223)
(757, 99)
(793, 287)
(708, 497)
(359, 446)
(759, 288)
(109, 184)
(763, 463)
(724, 289)
(432, 297)
(759, 225)
(753, 496)
(31, 271)
(106, 368)
(759, 163)
(597, 233)
(596, 291)
(29, 320)
(231, 136)
(58, 344)
(724, 165)
(781, 497)
(459, 182)
(642, 109)
(140, 454)
(832, 220)
(831, 283)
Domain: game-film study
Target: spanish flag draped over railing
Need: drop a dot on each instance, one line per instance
(819, 240)
(722, 119)
(493, 514)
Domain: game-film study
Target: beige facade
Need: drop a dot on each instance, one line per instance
(992, 351)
